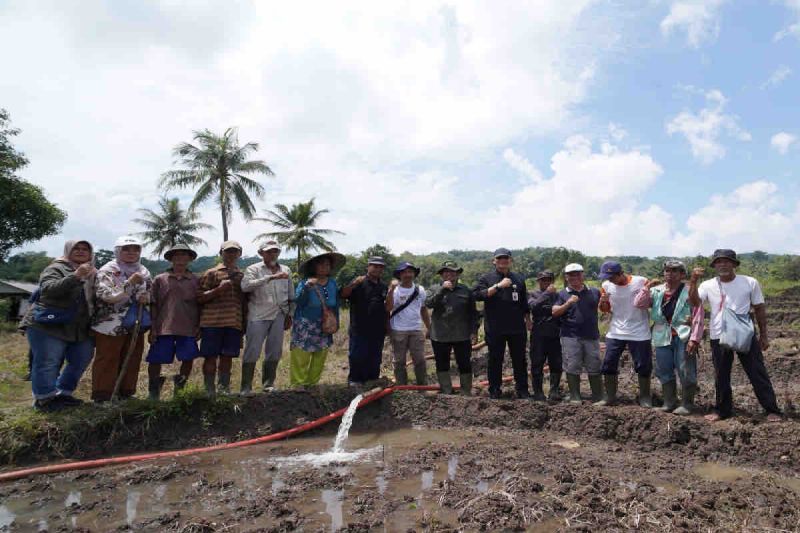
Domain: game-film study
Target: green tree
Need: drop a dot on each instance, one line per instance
(101, 257)
(170, 225)
(25, 213)
(218, 167)
(298, 228)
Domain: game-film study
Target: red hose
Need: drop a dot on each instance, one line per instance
(108, 461)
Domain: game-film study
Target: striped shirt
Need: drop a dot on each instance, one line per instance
(225, 309)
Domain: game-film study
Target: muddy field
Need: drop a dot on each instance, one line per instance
(447, 463)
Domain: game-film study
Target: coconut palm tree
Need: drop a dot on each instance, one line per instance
(170, 225)
(298, 229)
(216, 167)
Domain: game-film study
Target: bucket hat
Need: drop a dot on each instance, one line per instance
(180, 248)
(724, 253)
(404, 265)
(450, 265)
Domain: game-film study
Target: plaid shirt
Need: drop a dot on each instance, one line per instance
(225, 310)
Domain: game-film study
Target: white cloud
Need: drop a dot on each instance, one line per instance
(698, 18)
(703, 129)
(782, 141)
(522, 165)
(792, 29)
(777, 77)
(616, 132)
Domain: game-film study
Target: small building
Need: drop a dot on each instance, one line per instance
(18, 292)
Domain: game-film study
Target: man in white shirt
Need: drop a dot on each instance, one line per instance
(740, 294)
(630, 327)
(405, 303)
(269, 314)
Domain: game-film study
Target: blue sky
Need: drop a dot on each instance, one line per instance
(655, 128)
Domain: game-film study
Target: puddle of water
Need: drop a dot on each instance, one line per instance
(568, 444)
(333, 506)
(6, 516)
(452, 467)
(277, 484)
(720, 472)
(382, 484)
(131, 503)
(73, 498)
(482, 486)
(427, 480)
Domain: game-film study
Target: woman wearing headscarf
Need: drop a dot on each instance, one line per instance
(120, 283)
(309, 345)
(58, 327)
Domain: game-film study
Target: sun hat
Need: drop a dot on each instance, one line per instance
(180, 248)
(724, 253)
(337, 260)
(403, 266)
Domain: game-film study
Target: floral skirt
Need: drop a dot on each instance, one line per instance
(307, 335)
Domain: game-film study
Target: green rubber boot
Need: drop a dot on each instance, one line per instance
(211, 390)
(466, 384)
(645, 397)
(248, 369)
(596, 384)
(400, 374)
(687, 403)
(555, 381)
(269, 371)
(538, 388)
(610, 396)
(670, 392)
(154, 388)
(445, 385)
(574, 383)
(224, 384)
(421, 373)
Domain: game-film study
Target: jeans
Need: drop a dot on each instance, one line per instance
(48, 355)
(366, 354)
(753, 365)
(673, 358)
(641, 353)
(516, 347)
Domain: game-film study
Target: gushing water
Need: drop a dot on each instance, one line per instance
(344, 427)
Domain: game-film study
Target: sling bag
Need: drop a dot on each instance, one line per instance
(329, 323)
(406, 303)
(737, 329)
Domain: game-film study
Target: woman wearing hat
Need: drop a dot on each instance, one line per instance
(316, 296)
(65, 284)
(454, 327)
(120, 283)
(175, 318)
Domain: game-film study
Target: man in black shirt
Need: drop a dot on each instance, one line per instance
(367, 295)
(506, 321)
(545, 339)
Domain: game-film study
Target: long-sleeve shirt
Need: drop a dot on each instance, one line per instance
(682, 314)
(174, 309)
(505, 311)
(455, 315)
(224, 309)
(60, 288)
(544, 323)
(268, 296)
(114, 298)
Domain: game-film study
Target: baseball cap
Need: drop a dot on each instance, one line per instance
(545, 274)
(227, 245)
(128, 240)
(269, 245)
(573, 267)
(376, 260)
(502, 252)
(608, 269)
(674, 264)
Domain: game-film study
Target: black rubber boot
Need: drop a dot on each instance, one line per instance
(538, 388)
(610, 396)
(445, 384)
(248, 369)
(687, 402)
(421, 373)
(400, 374)
(645, 397)
(466, 384)
(596, 384)
(574, 383)
(224, 384)
(670, 392)
(154, 388)
(555, 383)
(211, 390)
(269, 371)
(178, 384)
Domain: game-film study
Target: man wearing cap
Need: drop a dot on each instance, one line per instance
(269, 313)
(629, 327)
(545, 343)
(454, 327)
(221, 317)
(175, 316)
(507, 317)
(368, 315)
(405, 303)
(677, 331)
(739, 294)
(576, 306)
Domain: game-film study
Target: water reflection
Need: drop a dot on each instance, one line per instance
(131, 503)
(333, 506)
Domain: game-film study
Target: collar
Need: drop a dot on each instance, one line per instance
(570, 289)
(222, 266)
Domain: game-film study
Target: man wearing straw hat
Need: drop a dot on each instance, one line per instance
(269, 314)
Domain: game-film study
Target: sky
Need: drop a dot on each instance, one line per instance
(636, 127)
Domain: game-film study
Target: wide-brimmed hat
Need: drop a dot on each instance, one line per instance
(403, 266)
(337, 260)
(450, 265)
(545, 274)
(724, 253)
(180, 248)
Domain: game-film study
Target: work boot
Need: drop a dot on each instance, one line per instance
(269, 371)
(466, 384)
(178, 383)
(445, 385)
(154, 388)
(224, 384)
(555, 380)
(596, 384)
(421, 373)
(400, 374)
(574, 383)
(211, 391)
(248, 369)
(538, 391)
(610, 396)
(645, 398)
(670, 392)
(687, 403)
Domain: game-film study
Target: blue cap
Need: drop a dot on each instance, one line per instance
(403, 266)
(608, 269)
(502, 252)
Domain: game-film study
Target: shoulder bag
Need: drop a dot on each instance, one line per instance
(330, 324)
(737, 329)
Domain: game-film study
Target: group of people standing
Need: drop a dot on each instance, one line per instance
(81, 313)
